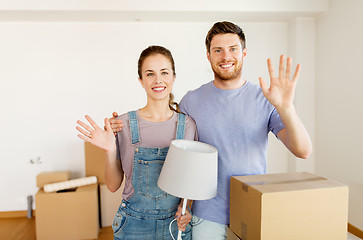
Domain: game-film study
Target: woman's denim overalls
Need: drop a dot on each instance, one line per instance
(149, 211)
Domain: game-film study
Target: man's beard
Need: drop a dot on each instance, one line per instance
(227, 76)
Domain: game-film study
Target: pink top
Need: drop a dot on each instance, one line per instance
(152, 134)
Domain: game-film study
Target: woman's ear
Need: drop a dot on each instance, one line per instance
(141, 82)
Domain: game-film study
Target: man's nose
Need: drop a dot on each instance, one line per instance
(226, 55)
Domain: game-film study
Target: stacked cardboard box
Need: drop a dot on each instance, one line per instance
(74, 213)
(295, 206)
(109, 203)
(95, 166)
(70, 214)
(52, 177)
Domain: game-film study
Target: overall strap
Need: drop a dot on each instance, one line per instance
(134, 127)
(180, 128)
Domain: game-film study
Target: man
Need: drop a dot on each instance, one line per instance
(236, 116)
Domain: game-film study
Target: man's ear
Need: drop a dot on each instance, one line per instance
(244, 52)
(208, 56)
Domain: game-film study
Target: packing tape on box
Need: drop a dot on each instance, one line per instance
(53, 187)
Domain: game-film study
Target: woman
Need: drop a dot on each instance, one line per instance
(140, 150)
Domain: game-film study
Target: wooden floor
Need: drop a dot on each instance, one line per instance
(22, 228)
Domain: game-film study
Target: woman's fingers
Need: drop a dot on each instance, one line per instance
(83, 137)
(183, 220)
(85, 126)
(93, 123)
(84, 132)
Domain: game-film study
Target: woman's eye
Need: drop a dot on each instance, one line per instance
(164, 73)
(150, 74)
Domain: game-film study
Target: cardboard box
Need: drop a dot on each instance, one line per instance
(110, 203)
(67, 215)
(52, 177)
(231, 235)
(288, 206)
(95, 162)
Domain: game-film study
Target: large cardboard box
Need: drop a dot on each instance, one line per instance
(95, 162)
(296, 206)
(110, 202)
(52, 177)
(67, 215)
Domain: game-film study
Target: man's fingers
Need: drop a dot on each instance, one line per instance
(263, 85)
(297, 73)
(288, 68)
(270, 68)
(282, 67)
(115, 121)
(114, 114)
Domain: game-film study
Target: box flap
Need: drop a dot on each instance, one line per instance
(286, 182)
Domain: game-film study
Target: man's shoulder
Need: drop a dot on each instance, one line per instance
(200, 90)
(253, 86)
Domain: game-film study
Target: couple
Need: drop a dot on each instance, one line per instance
(230, 113)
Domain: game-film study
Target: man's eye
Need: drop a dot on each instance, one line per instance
(234, 49)
(164, 73)
(217, 51)
(150, 74)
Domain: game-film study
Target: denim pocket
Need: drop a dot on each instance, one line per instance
(119, 222)
(149, 171)
(187, 234)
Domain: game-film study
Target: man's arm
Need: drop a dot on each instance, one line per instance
(281, 96)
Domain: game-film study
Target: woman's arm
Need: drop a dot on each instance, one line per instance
(104, 139)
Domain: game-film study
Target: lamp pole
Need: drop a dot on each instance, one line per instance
(183, 212)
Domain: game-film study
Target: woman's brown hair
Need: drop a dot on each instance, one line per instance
(153, 50)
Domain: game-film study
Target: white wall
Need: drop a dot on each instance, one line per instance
(52, 73)
(339, 100)
(302, 47)
(60, 67)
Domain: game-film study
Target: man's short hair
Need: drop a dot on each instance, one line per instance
(223, 28)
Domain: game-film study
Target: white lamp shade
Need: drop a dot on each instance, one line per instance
(190, 170)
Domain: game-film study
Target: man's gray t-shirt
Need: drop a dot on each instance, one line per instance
(237, 123)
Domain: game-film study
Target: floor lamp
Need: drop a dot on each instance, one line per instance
(190, 171)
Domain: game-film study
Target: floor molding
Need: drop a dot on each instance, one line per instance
(355, 231)
(15, 214)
